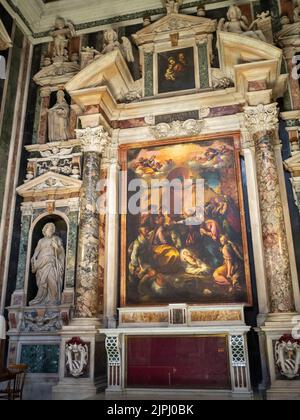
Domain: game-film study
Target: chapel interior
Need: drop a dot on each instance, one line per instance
(150, 199)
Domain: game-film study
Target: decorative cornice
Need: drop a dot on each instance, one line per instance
(261, 118)
(96, 23)
(93, 139)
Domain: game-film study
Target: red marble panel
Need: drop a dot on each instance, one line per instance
(178, 362)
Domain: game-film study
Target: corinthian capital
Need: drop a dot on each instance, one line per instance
(93, 139)
(261, 118)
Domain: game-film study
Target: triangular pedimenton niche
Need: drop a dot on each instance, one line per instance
(49, 183)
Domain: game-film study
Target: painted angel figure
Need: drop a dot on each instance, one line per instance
(63, 32)
(48, 263)
(127, 49)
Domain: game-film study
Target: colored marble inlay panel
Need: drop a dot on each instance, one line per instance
(40, 358)
(215, 316)
(72, 249)
(203, 66)
(148, 74)
(145, 317)
(26, 222)
(9, 106)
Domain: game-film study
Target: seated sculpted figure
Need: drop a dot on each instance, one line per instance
(238, 24)
(48, 264)
(297, 12)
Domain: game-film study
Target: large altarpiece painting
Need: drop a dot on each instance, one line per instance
(167, 257)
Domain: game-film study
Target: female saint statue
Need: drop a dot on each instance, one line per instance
(58, 119)
(48, 264)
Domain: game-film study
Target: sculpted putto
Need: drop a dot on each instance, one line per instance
(238, 24)
(62, 33)
(48, 263)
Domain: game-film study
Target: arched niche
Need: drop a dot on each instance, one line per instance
(36, 235)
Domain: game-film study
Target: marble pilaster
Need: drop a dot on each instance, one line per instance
(112, 235)
(262, 123)
(94, 141)
(23, 250)
(203, 64)
(148, 73)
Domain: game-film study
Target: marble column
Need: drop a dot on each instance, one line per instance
(94, 141)
(262, 123)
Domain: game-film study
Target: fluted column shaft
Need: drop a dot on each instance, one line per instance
(94, 141)
(262, 123)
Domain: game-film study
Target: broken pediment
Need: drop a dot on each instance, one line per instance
(293, 164)
(109, 70)
(240, 49)
(161, 30)
(56, 74)
(49, 184)
(252, 62)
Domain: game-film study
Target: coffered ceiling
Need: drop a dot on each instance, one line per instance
(36, 17)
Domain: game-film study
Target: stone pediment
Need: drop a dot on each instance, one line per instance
(245, 59)
(49, 184)
(174, 22)
(5, 41)
(109, 70)
(56, 73)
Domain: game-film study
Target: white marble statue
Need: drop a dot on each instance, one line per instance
(58, 119)
(48, 264)
(238, 24)
(111, 41)
(62, 33)
(173, 6)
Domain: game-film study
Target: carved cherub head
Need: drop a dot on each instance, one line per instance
(234, 13)
(60, 23)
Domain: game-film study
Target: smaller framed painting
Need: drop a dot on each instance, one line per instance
(176, 70)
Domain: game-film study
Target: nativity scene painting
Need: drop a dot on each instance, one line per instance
(175, 258)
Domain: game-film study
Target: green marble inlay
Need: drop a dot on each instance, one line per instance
(9, 106)
(203, 65)
(149, 74)
(26, 222)
(72, 249)
(40, 358)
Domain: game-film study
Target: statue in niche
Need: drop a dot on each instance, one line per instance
(238, 24)
(63, 32)
(48, 263)
(58, 119)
